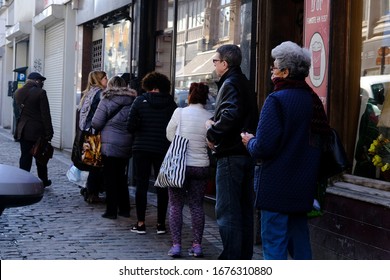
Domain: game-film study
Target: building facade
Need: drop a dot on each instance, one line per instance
(350, 45)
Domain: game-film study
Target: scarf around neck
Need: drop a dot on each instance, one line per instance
(319, 120)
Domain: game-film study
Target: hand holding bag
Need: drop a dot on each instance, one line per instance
(173, 168)
(42, 150)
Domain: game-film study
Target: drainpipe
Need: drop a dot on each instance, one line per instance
(173, 47)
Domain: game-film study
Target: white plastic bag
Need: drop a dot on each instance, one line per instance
(77, 176)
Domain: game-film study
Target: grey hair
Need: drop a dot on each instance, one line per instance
(294, 58)
(231, 54)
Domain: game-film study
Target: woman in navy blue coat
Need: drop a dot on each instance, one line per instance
(287, 149)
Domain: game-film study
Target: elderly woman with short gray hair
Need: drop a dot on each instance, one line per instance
(288, 155)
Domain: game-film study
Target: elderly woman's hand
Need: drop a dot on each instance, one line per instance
(246, 137)
(209, 124)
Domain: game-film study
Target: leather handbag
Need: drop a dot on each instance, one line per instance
(334, 159)
(86, 151)
(77, 151)
(173, 168)
(42, 150)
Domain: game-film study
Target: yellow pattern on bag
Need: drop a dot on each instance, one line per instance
(91, 152)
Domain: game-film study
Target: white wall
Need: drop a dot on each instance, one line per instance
(7, 75)
(69, 91)
(24, 10)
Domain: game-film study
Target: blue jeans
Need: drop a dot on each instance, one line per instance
(285, 233)
(234, 206)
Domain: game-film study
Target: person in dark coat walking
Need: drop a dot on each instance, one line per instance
(147, 121)
(111, 119)
(34, 122)
(287, 147)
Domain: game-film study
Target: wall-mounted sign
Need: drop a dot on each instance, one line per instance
(317, 16)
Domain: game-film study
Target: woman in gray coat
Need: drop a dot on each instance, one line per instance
(111, 119)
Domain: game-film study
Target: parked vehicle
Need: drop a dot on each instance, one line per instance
(181, 99)
(375, 87)
(18, 187)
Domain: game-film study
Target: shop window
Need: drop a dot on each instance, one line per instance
(202, 26)
(97, 54)
(116, 48)
(224, 19)
(372, 152)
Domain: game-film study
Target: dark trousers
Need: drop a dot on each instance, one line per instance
(26, 158)
(115, 183)
(95, 181)
(143, 163)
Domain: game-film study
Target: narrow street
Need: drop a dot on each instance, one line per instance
(62, 226)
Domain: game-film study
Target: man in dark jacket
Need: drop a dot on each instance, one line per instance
(34, 122)
(236, 111)
(148, 119)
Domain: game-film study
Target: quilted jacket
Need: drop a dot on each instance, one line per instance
(148, 120)
(111, 119)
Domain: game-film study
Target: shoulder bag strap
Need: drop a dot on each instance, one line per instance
(117, 110)
(178, 128)
(24, 101)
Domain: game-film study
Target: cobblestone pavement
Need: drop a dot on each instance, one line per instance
(62, 226)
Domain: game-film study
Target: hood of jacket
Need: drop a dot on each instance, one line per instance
(116, 91)
(120, 96)
(158, 100)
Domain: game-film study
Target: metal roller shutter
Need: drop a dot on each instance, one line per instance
(53, 71)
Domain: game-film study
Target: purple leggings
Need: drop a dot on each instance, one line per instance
(194, 190)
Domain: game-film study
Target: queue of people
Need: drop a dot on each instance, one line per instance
(250, 150)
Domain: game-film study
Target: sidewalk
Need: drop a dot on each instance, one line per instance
(62, 226)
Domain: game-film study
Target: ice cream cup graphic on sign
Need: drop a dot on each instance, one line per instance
(316, 49)
(318, 61)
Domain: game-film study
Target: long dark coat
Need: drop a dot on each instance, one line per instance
(35, 118)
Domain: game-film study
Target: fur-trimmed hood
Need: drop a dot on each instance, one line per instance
(116, 91)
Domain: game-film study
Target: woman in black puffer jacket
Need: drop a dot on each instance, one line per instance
(148, 120)
(111, 119)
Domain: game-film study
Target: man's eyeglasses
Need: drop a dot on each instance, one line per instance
(215, 60)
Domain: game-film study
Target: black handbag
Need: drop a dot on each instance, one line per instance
(334, 159)
(42, 150)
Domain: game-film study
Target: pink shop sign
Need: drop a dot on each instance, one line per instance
(316, 34)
